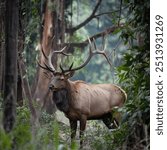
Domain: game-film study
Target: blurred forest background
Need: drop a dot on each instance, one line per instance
(28, 117)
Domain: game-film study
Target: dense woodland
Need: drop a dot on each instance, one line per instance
(30, 29)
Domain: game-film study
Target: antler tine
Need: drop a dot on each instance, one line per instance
(71, 66)
(57, 52)
(104, 54)
(62, 69)
(90, 43)
(50, 61)
(44, 54)
(82, 65)
(103, 47)
(41, 66)
(90, 47)
(107, 59)
(91, 53)
(50, 66)
(46, 67)
(61, 52)
(94, 43)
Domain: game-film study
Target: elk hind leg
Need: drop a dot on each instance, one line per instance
(82, 129)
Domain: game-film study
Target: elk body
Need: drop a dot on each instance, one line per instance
(81, 101)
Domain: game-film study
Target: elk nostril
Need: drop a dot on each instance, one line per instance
(51, 87)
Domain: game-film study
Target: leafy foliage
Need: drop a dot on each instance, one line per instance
(47, 135)
(5, 142)
(110, 139)
(134, 73)
(30, 27)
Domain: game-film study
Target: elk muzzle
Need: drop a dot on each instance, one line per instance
(51, 87)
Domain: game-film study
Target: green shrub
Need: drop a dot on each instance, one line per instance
(45, 136)
(5, 140)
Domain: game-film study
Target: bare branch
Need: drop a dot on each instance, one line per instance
(72, 30)
(110, 12)
(105, 32)
(120, 12)
(106, 13)
(71, 46)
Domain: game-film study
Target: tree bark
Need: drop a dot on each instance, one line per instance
(10, 86)
(26, 91)
(48, 37)
(2, 44)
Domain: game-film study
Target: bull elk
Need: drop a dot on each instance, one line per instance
(81, 101)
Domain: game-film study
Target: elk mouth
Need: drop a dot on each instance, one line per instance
(55, 89)
(52, 88)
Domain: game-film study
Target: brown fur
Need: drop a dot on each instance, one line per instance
(88, 101)
(94, 99)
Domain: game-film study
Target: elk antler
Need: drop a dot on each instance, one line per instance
(91, 53)
(50, 66)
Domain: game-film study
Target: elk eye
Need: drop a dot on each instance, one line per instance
(54, 74)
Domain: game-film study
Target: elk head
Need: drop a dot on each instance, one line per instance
(60, 79)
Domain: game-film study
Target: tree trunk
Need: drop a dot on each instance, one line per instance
(48, 37)
(10, 86)
(26, 91)
(2, 44)
(52, 38)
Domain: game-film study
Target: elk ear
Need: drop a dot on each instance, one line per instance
(69, 75)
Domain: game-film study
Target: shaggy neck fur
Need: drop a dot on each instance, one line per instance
(62, 98)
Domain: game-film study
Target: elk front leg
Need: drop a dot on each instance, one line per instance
(73, 126)
(82, 129)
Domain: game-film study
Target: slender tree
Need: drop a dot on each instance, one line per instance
(10, 86)
(49, 18)
(2, 43)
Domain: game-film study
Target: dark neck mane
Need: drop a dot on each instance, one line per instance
(61, 99)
